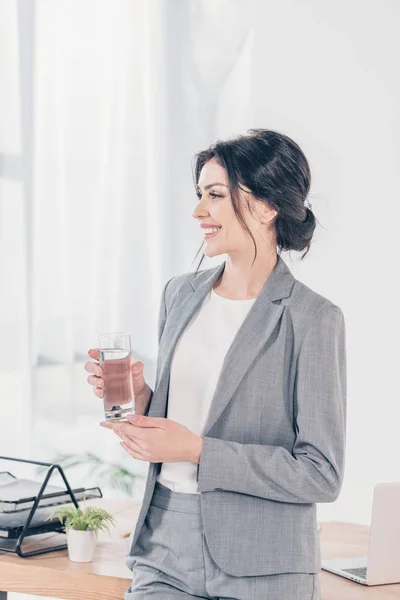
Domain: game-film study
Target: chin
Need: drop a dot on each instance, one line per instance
(211, 252)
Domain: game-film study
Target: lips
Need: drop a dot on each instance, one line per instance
(207, 236)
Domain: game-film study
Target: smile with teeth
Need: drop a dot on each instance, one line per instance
(211, 232)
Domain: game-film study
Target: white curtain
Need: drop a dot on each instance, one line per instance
(117, 96)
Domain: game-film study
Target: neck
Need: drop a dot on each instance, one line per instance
(242, 281)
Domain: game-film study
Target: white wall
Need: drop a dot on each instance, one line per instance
(326, 73)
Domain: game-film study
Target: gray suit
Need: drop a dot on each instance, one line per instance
(274, 440)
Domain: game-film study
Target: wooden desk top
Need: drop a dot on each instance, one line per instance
(107, 577)
(347, 539)
(54, 575)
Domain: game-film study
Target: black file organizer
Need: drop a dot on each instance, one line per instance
(16, 534)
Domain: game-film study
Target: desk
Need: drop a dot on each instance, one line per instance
(345, 539)
(107, 577)
(54, 575)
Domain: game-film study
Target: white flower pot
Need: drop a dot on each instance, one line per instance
(81, 545)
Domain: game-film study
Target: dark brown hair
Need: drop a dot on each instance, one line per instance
(273, 167)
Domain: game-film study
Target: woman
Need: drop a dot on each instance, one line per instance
(252, 364)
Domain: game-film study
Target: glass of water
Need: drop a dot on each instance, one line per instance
(115, 361)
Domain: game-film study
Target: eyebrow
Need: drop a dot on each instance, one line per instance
(206, 187)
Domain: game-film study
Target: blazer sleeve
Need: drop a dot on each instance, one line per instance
(162, 317)
(313, 471)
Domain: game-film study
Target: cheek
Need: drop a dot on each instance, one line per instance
(234, 228)
(225, 215)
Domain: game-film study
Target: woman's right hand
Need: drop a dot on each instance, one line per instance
(141, 390)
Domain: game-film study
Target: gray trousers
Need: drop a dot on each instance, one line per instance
(171, 560)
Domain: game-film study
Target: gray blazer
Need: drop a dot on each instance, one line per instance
(274, 440)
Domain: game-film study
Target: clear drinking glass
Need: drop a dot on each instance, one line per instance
(115, 360)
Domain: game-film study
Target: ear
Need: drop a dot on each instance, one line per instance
(266, 213)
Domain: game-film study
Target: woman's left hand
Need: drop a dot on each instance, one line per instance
(156, 439)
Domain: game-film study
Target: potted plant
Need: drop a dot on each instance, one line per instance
(82, 527)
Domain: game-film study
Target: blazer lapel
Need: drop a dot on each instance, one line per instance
(251, 337)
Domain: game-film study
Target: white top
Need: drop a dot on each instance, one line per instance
(195, 368)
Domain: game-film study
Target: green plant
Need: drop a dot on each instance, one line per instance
(110, 473)
(91, 518)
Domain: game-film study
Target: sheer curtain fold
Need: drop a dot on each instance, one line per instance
(85, 207)
(102, 159)
(122, 96)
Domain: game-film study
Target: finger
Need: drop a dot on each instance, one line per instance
(130, 434)
(120, 426)
(97, 381)
(136, 445)
(137, 367)
(138, 377)
(98, 392)
(143, 421)
(93, 367)
(94, 353)
(133, 453)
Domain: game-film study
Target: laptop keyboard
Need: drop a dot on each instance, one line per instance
(359, 572)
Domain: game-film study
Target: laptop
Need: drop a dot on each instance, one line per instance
(382, 565)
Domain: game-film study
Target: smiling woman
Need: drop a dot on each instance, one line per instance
(245, 429)
(262, 174)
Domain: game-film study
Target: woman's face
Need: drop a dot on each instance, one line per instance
(215, 208)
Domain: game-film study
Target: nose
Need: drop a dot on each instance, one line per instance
(196, 213)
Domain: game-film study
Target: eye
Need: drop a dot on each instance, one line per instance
(211, 194)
